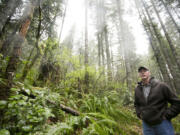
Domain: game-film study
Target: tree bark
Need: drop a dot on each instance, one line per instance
(22, 34)
(62, 25)
(14, 59)
(173, 49)
(105, 34)
(122, 43)
(170, 15)
(175, 11)
(2, 32)
(86, 77)
(8, 11)
(4, 50)
(109, 70)
(164, 49)
(99, 50)
(98, 32)
(157, 53)
(66, 109)
(102, 52)
(28, 66)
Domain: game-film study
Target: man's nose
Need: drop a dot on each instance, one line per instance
(143, 73)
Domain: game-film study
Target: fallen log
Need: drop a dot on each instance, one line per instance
(61, 106)
(66, 109)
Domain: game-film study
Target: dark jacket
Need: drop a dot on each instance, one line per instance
(155, 109)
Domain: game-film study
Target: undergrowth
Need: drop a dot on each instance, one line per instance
(29, 110)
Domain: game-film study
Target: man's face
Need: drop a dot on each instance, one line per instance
(144, 74)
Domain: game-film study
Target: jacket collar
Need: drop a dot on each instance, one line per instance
(152, 82)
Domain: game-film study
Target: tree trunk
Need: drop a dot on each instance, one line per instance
(102, 52)
(105, 34)
(41, 77)
(173, 49)
(62, 25)
(99, 50)
(157, 53)
(175, 11)
(28, 66)
(164, 50)
(4, 50)
(86, 77)
(14, 59)
(8, 11)
(122, 43)
(109, 70)
(112, 64)
(170, 15)
(98, 32)
(2, 33)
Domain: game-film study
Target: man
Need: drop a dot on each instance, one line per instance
(151, 104)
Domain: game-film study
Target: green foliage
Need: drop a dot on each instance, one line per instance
(102, 112)
(72, 125)
(4, 132)
(4, 62)
(74, 81)
(108, 116)
(3, 104)
(23, 114)
(102, 115)
(176, 124)
(102, 107)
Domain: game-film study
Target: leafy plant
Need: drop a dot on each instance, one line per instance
(23, 114)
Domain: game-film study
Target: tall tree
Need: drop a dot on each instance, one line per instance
(7, 11)
(164, 49)
(14, 59)
(86, 77)
(170, 15)
(109, 69)
(105, 34)
(157, 53)
(28, 66)
(40, 14)
(100, 33)
(122, 43)
(99, 29)
(173, 49)
(63, 19)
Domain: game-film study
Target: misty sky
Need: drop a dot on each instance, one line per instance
(75, 16)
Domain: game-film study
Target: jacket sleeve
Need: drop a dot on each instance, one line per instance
(137, 107)
(171, 97)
